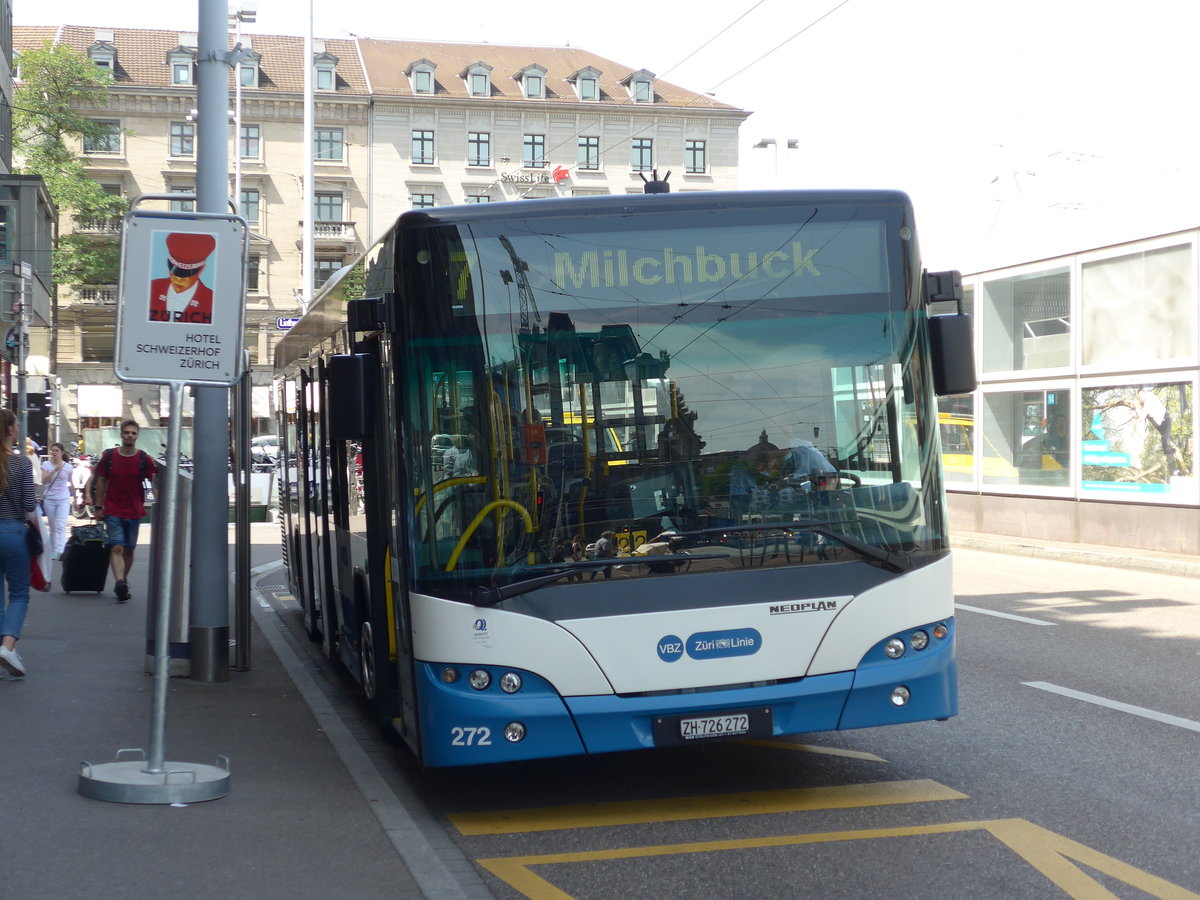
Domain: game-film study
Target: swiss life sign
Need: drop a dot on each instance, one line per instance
(181, 308)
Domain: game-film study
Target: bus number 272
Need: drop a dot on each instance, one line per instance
(470, 737)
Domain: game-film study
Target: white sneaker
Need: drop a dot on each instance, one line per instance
(11, 661)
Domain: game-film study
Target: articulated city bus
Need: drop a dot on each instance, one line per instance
(597, 474)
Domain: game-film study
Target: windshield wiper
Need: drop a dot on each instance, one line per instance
(490, 596)
(890, 559)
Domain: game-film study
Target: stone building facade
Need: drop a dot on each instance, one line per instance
(398, 125)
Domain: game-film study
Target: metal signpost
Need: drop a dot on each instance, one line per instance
(180, 320)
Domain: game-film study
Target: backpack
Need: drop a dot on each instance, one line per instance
(104, 467)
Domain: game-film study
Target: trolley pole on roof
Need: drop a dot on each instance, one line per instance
(208, 633)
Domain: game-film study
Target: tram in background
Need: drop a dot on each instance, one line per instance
(727, 398)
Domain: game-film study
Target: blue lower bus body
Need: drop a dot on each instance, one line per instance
(464, 726)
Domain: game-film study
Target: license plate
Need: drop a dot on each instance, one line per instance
(714, 726)
(673, 731)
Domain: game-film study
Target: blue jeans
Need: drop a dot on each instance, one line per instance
(14, 562)
(121, 531)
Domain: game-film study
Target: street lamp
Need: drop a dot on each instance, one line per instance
(764, 143)
(244, 12)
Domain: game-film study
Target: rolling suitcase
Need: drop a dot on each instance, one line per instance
(84, 561)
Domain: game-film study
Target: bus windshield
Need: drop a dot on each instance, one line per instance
(638, 394)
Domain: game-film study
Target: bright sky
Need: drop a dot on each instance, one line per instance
(1021, 128)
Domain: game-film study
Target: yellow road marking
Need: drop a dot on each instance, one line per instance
(814, 748)
(1046, 851)
(676, 809)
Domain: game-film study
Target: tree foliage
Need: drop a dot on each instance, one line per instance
(52, 114)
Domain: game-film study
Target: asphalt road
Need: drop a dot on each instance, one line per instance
(1072, 770)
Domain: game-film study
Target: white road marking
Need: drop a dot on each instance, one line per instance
(1177, 721)
(1001, 615)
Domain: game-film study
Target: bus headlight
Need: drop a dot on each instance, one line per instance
(510, 682)
(449, 675)
(514, 732)
(940, 631)
(894, 648)
(900, 695)
(480, 679)
(919, 640)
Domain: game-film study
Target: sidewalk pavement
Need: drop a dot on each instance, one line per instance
(299, 821)
(293, 825)
(1091, 554)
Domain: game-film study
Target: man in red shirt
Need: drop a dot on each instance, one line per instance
(121, 501)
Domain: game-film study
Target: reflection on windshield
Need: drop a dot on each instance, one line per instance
(656, 395)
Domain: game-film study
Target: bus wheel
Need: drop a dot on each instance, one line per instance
(366, 662)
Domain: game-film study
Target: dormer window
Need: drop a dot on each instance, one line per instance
(182, 61)
(325, 71)
(420, 76)
(248, 68)
(587, 83)
(533, 82)
(103, 53)
(640, 86)
(478, 78)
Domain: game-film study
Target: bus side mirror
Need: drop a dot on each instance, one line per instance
(952, 354)
(351, 396)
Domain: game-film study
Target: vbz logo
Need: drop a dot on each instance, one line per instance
(670, 648)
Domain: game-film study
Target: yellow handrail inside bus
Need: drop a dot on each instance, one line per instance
(475, 523)
(449, 483)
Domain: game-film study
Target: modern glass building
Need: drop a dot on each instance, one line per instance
(1083, 426)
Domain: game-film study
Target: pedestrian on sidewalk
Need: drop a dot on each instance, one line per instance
(121, 501)
(17, 502)
(56, 501)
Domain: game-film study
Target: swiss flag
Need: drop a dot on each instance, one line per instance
(560, 174)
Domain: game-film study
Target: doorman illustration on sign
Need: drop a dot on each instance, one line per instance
(182, 296)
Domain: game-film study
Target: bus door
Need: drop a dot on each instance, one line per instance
(304, 525)
(324, 545)
(374, 612)
(315, 491)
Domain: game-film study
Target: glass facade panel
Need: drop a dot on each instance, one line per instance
(1027, 322)
(1026, 438)
(1137, 439)
(956, 424)
(1139, 308)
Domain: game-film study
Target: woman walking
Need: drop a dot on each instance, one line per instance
(16, 503)
(56, 476)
